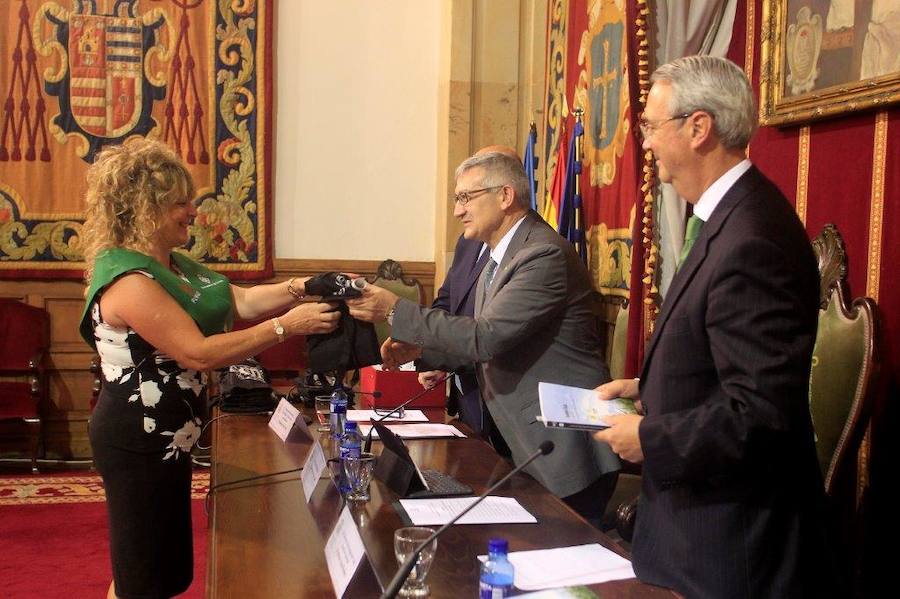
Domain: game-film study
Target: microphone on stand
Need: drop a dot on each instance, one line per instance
(375, 394)
(400, 577)
(367, 446)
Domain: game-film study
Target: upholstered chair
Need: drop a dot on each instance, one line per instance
(389, 275)
(24, 344)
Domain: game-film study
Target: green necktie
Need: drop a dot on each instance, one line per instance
(690, 236)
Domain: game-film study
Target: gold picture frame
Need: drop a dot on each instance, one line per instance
(822, 58)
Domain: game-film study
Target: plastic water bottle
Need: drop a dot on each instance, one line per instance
(497, 572)
(338, 412)
(351, 446)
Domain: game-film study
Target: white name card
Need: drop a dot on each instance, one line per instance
(285, 418)
(312, 469)
(343, 552)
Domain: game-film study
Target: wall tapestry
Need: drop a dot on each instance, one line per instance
(79, 75)
(597, 58)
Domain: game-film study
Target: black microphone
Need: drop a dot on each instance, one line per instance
(367, 446)
(375, 394)
(400, 577)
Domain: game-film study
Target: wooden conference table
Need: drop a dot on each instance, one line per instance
(264, 540)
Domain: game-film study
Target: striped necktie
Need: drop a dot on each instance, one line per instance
(489, 271)
(690, 236)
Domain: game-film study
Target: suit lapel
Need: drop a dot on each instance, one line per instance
(742, 187)
(467, 279)
(482, 298)
(515, 244)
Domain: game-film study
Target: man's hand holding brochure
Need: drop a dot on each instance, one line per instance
(573, 407)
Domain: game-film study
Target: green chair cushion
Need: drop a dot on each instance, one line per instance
(837, 367)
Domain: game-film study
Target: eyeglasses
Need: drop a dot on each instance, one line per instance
(464, 197)
(648, 128)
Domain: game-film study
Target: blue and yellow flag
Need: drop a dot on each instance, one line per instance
(531, 163)
(571, 213)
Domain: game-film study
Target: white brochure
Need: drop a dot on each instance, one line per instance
(343, 552)
(288, 423)
(573, 407)
(493, 510)
(417, 431)
(408, 416)
(312, 469)
(567, 567)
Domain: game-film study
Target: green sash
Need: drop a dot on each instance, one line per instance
(205, 295)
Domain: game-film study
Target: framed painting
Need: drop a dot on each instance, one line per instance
(822, 58)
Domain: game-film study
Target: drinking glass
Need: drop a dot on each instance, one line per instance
(323, 413)
(359, 472)
(405, 542)
(338, 476)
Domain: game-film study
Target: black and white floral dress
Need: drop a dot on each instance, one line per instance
(153, 385)
(142, 431)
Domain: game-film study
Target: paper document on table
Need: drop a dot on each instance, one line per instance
(574, 407)
(364, 415)
(416, 431)
(567, 566)
(579, 592)
(493, 510)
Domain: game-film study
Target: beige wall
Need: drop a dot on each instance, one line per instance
(356, 128)
(378, 101)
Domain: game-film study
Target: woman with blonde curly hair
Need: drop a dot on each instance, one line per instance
(159, 320)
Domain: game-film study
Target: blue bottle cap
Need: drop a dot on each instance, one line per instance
(498, 546)
(350, 425)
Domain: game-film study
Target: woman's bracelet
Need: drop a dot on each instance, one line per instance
(293, 291)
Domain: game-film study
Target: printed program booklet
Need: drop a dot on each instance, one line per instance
(574, 407)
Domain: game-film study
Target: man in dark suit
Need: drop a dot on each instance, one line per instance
(532, 323)
(731, 501)
(457, 296)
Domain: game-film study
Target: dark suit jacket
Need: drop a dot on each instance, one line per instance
(535, 324)
(457, 296)
(732, 494)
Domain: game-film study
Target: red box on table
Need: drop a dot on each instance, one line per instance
(397, 387)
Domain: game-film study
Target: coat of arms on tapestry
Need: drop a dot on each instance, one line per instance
(79, 75)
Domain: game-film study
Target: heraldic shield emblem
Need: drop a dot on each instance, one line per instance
(602, 89)
(105, 86)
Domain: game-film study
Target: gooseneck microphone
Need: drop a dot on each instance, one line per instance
(375, 394)
(367, 446)
(397, 581)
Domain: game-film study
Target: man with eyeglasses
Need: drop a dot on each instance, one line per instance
(457, 296)
(732, 498)
(532, 323)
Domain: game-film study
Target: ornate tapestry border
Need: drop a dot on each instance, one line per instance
(233, 231)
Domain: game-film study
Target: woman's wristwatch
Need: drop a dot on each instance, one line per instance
(279, 330)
